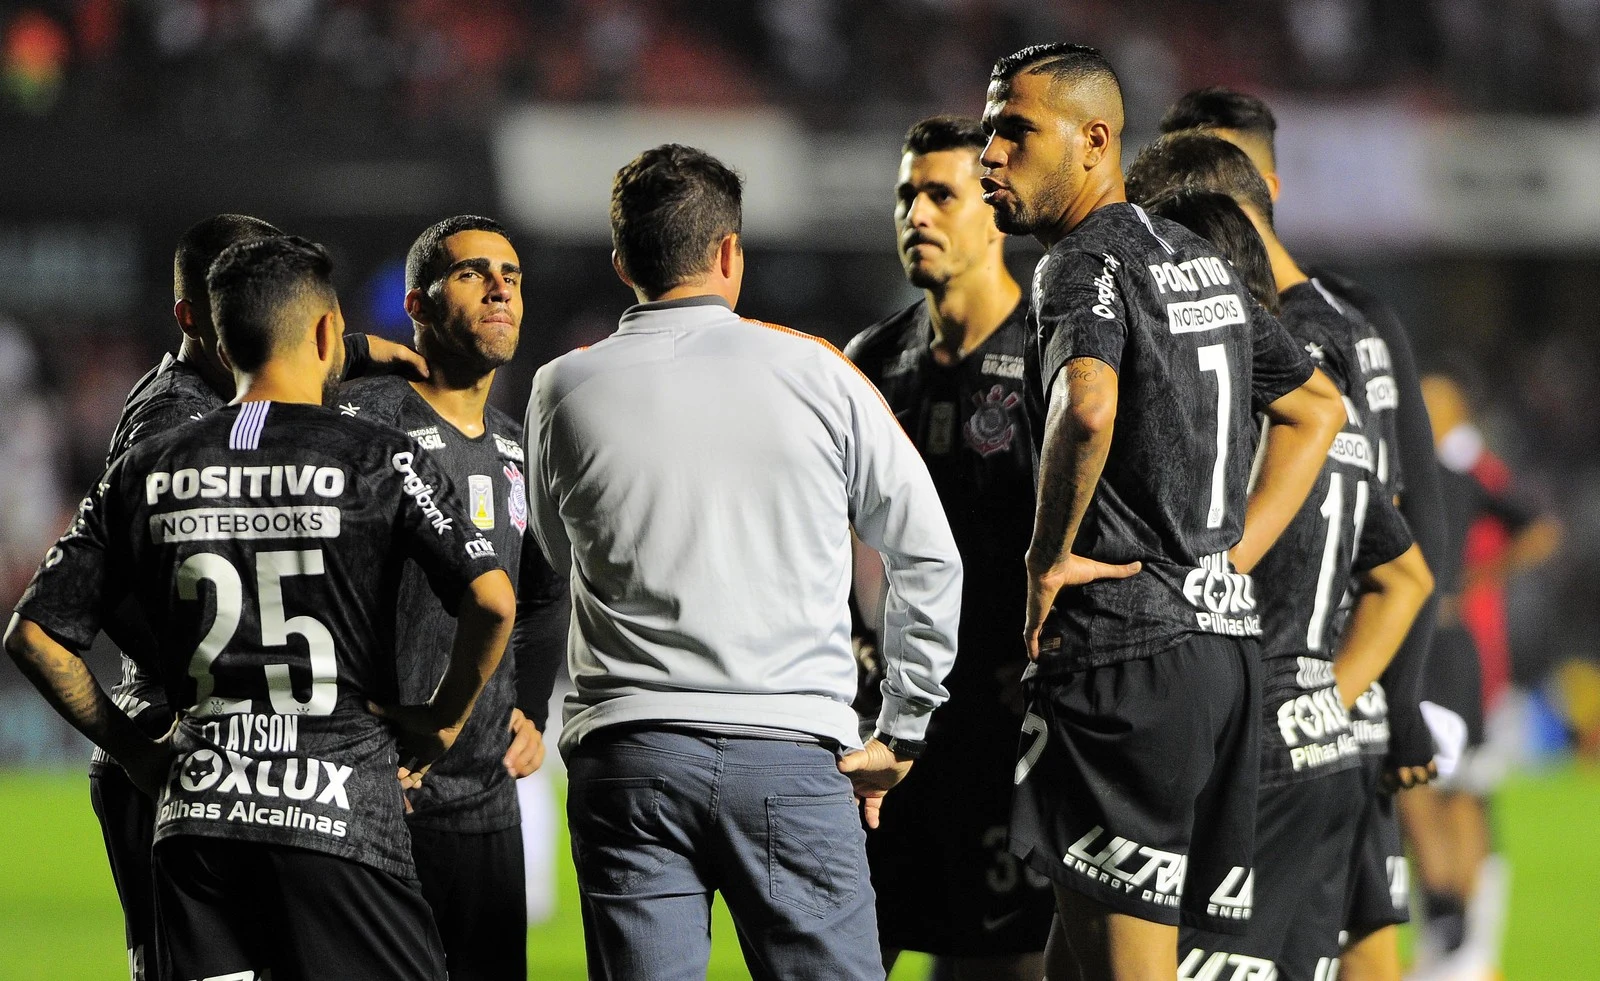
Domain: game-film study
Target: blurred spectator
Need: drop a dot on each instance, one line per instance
(31, 439)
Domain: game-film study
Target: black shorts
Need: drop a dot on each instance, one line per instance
(1305, 834)
(1137, 782)
(476, 888)
(1453, 678)
(945, 877)
(127, 822)
(239, 909)
(1380, 880)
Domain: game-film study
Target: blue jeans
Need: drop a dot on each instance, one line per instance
(662, 818)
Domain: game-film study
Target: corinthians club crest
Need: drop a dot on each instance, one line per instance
(991, 429)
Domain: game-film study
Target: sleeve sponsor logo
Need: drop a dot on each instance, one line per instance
(1373, 354)
(480, 500)
(427, 437)
(1192, 316)
(420, 491)
(1189, 276)
(211, 483)
(509, 448)
(1382, 393)
(1105, 286)
(480, 548)
(1353, 449)
(239, 524)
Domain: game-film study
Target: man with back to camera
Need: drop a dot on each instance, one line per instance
(464, 295)
(1396, 746)
(261, 544)
(1137, 778)
(181, 388)
(701, 475)
(951, 367)
(1347, 537)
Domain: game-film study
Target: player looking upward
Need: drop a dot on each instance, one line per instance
(1137, 783)
(464, 295)
(261, 545)
(182, 387)
(1347, 535)
(951, 367)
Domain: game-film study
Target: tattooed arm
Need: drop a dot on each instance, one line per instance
(1077, 437)
(71, 689)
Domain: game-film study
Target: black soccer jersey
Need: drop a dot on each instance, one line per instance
(975, 429)
(468, 790)
(1348, 524)
(264, 544)
(1195, 356)
(169, 395)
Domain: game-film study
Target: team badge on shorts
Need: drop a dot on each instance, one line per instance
(480, 500)
(517, 498)
(991, 429)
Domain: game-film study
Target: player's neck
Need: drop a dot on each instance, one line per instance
(216, 377)
(1286, 273)
(278, 381)
(1101, 190)
(966, 311)
(458, 399)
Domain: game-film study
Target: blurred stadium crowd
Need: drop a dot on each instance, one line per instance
(1516, 328)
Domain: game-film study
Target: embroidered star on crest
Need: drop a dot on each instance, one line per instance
(349, 408)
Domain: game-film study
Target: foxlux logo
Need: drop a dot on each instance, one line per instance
(1105, 866)
(1197, 966)
(420, 491)
(1226, 599)
(205, 769)
(1105, 286)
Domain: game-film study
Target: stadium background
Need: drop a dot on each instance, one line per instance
(1445, 153)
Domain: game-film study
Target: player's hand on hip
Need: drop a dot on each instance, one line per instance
(150, 767)
(1406, 777)
(527, 746)
(416, 735)
(1045, 584)
(873, 772)
(396, 359)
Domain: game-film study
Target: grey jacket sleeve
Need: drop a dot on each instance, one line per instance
(896, 510)
(542, 505)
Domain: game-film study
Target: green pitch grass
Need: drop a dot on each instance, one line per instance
(59, 918)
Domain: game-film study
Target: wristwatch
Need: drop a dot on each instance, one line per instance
(904, 750)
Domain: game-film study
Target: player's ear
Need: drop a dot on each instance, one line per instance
(183, 313)
(326, 335)
(1271, 178)
(1097, 137)
(416, 305)
(730, 256)
(622, 274)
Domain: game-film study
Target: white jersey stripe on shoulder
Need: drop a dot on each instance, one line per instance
(1147, 224)
(246, 432)
(1332, 302)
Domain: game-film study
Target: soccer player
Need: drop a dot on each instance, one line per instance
(1348, 534)
(181, 388)
(464, 295)
(1396, 746)
(1136, 785)
(262, 546)
(701, 474)
(951, 367)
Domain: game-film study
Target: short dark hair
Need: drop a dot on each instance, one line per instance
(257, 288)
(1064, 62)
(1218, 107)
(1193, 158)
(937, 133)
(427, 261)
(1217, 218)
(199, 247)
(670, 206)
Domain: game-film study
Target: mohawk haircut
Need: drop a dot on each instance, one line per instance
(427, 261)
(1217, 218)
(259, 294)
(670, 206)
(199, 247)
(1218, 107)
(1195, 159)
(938, 133)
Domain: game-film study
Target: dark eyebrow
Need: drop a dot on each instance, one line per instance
(482, 265)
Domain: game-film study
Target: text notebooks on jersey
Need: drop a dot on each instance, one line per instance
(1195, 357)
(263, 544)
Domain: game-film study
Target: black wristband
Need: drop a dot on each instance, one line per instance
(904, 750)
(357, 355)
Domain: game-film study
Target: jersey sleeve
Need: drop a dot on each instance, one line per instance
(539, 639)
(434, 530)
(895, 509)
(1278, 364)
(158, 416)
(1385, 536)
(1081, 313)
(83, 576)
